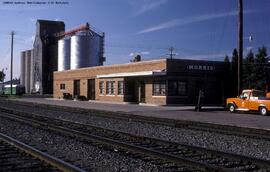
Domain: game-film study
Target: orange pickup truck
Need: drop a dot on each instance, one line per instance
(250, 100)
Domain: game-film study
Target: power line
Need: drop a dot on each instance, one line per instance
(171, 54)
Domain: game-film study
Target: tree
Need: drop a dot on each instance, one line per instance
(249, 76)
(226, 59)
(234, 69)
(261, 68)
(2, 75)
(256, 70)
(231, 75)
(235, 56)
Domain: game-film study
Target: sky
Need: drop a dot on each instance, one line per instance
(197, 29)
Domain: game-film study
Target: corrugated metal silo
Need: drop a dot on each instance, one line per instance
(83, 47)
(28, 55)
(80, 51)
(64, 54)
(22, 78)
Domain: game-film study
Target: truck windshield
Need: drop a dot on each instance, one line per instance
(258, 94)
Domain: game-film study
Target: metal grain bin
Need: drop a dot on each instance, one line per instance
(64, 54)
(83, 50)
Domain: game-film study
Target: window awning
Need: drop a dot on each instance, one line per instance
(130, 74)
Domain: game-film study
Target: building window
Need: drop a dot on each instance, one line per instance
(110, 87)
(159, 88)
(120, 87)
(62, 86)
(101, 87)
(177, 88)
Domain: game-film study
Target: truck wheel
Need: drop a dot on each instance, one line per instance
(231, 108)
(263, 110)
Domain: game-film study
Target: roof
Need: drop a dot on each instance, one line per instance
(16, 81)
(115, 65)
(50, 21)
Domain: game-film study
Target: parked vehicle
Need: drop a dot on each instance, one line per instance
(250, 100)
(16, 90)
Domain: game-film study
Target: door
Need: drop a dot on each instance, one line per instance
(142, 92)
(76, 86)
(244, 100)
(91, 89)
(244, 103)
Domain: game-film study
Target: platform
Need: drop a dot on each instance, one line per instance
(215, 115)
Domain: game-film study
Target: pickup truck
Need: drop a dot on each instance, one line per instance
(250, 100)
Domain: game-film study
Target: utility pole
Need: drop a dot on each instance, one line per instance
(240, 45)
(11, 62)
(171, 54)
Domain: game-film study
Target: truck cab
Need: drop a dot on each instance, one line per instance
(250, 100)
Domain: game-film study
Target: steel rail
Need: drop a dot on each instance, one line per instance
(175, 159)
(42, 156)
(113, 143)
(107, 141)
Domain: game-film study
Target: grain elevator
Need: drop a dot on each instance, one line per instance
(55, 49)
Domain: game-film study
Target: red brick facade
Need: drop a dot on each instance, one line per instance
(160, 82)
(68, 77)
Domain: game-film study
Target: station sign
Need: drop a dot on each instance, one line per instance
(201, 67)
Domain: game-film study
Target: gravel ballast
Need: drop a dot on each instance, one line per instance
(258, 148)
(82, 154)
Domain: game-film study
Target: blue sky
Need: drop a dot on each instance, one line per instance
(197, 29)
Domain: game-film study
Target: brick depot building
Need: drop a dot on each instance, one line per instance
(160, 82)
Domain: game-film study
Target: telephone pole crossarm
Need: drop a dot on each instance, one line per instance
(171, 54)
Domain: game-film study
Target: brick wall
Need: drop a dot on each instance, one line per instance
(83, 74)
(209, 76)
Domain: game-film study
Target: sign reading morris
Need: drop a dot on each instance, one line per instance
(201, 67)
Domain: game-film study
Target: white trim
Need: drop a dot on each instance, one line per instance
(242, 109)
(159, 96)
(142, 73)
(8, 86)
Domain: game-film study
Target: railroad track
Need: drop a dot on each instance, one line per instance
(192, 125)
(173, 155)
(17, 156)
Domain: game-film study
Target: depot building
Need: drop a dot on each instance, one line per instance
(159, 82)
